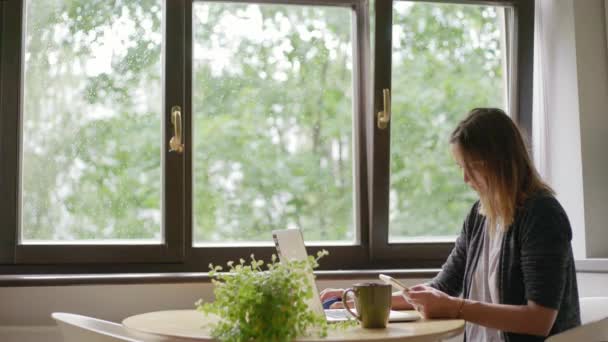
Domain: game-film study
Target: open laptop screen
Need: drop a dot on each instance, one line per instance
(290, 246)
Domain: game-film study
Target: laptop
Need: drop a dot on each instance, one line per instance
(290, 246)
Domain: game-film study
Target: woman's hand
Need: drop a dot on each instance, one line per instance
(330, 293)
(398, 302)
(433, 303)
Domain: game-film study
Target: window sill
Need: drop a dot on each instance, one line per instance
(593, 265)
(18, 280)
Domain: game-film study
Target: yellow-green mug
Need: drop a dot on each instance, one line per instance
(373, 303)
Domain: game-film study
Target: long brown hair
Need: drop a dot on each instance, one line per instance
(488, 138)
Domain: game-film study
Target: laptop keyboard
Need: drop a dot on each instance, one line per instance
(337, 314)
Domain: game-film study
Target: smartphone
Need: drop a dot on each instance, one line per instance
(396, 283)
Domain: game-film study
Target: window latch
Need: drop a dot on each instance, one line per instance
(175, 144)
(384, 116)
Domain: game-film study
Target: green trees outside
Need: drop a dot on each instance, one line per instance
(91, 126)
(273, 121)
(272, 118)
(446, 60)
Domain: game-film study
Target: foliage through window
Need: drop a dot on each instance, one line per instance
(273, 117)
(446, 60)
(91, 166)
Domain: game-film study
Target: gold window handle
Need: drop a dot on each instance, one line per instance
(384, 116)
(175, 144)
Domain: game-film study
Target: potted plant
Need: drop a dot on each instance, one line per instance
(264, 302)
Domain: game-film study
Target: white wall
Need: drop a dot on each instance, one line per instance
(592, 284)
(575, 67)
(592, 69)
(563, 148)
(33, 305)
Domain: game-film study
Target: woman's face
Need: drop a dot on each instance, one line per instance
(472, 175)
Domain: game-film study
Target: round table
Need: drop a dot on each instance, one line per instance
(192, 325)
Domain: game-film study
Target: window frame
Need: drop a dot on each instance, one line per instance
(169, 250)
(177, 254)
(519, 69)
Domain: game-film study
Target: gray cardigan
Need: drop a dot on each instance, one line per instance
(536, 262)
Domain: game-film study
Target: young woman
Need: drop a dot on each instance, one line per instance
(511, 273)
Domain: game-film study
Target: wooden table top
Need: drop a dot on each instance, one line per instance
(195, 326)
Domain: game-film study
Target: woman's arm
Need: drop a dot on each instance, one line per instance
(532, 319)
(451, 277)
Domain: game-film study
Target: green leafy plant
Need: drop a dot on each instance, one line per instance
(256, 304)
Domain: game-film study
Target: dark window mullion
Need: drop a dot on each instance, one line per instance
(380, 138)
(187, 221)
(174, 95)
(524, 54)
(10, 107)
(362, 105)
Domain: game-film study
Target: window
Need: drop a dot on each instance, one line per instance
(164, 135)
(440, 60)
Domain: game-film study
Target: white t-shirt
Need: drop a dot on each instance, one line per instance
(484, 284)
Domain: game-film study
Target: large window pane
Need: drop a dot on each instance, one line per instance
(446, 60)
(272, 122)
(91, 160)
